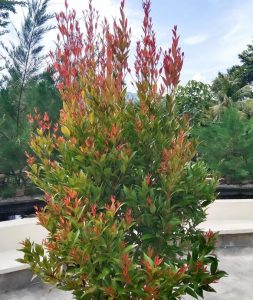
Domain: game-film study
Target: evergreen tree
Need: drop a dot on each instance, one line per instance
(40, 93)
(7, 7)
(246, 69)
(227, 144)
(25, 59)
(23, 87)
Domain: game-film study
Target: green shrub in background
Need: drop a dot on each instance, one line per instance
(246, 107)
(195, 99)
(226, 146)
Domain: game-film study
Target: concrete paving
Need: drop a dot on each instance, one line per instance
(37, 292)
(238, 262)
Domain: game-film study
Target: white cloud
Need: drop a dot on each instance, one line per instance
(235, 40)
(198, 77)
(231, 33)
(227, 38)
(195, 39)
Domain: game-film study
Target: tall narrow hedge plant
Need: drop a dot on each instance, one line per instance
(123, 195)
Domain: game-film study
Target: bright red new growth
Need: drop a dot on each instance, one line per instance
(125, 264)
(147, 60)
(172, 63)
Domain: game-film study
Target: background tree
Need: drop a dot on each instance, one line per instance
(41, 93)
(7, 7)
(195, 99)
(226, 146)
(25, 86)
(246, 57)
(235, 85)
(246, 107)
(229, 89)
(25, 59)
(244, 71)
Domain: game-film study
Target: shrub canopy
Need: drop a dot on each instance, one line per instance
(123, 194)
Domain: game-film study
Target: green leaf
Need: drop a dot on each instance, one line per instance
(191, 292)
(149, 260)
(214, 266)
(152, 208)
(208, 288)
(76, 237)
(199, 292)
(39, 249)
(90, 290)
(130, 248)
(147, 236)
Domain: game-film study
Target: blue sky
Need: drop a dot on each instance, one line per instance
(213, 32)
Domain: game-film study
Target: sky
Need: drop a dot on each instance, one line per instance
(212, 32)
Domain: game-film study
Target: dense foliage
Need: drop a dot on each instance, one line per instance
(229, 89)
(123, 195)
(39, 92)
(244, 71)
(246, 107)
(24, 73)
(24, 87)
(195, 99)
(226, 146)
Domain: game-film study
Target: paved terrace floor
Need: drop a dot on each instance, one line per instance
(238, 285)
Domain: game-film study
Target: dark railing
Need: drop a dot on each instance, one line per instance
(235, 191)
(19, 206)
(22, 206)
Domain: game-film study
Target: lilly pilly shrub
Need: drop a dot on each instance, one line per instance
(123, 195)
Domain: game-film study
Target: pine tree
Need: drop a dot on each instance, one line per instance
(25, 59)
(24, 62)
(41, 93)
(226, 146)
(7, 7)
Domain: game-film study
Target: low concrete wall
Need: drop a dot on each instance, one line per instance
(239, 240)
(230, 216)
(11, 234)
(14, 275)
(233, 219)
(232, 209)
